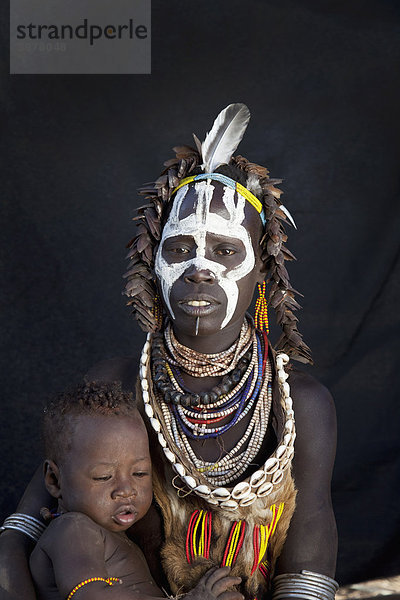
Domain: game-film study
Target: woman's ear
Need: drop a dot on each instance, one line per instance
(261, 268)
(52, 478)
(262, 273)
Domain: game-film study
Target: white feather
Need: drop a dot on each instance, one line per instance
(287, 213)
(224, 137)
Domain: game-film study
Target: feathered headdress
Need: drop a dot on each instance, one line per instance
(217, 149)
(225, 136)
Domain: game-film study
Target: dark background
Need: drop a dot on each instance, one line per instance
(322, 82)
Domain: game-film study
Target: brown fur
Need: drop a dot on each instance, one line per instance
(176, 513)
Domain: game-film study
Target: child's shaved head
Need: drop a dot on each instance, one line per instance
(89, 398)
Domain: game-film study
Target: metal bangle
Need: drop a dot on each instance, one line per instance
(26, 524)
(305, 585)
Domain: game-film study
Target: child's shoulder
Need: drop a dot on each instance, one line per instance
(71, 527)
(72, 532)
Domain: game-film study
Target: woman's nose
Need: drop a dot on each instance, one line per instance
(196, 275)
(124, 488)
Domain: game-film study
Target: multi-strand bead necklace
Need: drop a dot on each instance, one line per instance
(178, 415)
(253, 392)
(170, 358)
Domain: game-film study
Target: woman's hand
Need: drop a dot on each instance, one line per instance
(15, 547)
(36, 496)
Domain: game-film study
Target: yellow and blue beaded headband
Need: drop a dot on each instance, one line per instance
(235, 185)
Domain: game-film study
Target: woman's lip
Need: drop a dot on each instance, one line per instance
(198, 303)
(194, 300)
(198, 311)
(190, 304)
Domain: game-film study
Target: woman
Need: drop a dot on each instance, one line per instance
(219, 402)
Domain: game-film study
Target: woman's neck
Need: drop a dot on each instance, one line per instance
(209, 343)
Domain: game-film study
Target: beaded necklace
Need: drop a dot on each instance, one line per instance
(176, 423)
(203, 365)
(240, 405)
(169, 356)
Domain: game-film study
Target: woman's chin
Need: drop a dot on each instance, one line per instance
(198, 324)
(207, 335)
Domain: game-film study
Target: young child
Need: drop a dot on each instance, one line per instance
(98, 467)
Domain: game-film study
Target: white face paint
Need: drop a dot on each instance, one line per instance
(197, 225)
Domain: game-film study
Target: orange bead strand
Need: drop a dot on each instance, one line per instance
(261, 311)
(109, 581)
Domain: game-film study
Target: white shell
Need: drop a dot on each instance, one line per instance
(290, 413)
(248, 500)
(279, 363)
(286, 389)
(290, 452)
(212, 501)
(241, 490)
(180, 469)
(161, 440)
(284, 357)
(277, 477)
(203, 491)
(170, 456)
(143, 358)
(288, 403)
(289, 425)
(155, 423)
(257, 478)
(287, 439)
(143, 372)
(282, 376)
(145, 396)
(145, 384)
(146, 348)
(265, 489)
(280, 451)
(190, 482)
(229, 505)
(148, 410)
(221, 493)
(271, 465)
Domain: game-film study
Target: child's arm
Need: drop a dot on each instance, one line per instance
(75, 546)
(76, 550)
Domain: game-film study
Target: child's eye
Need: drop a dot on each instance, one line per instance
(102, 478)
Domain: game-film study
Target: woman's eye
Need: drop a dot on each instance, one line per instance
(102, 478)
(140, 474)
(225, 251)
(179, 250)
